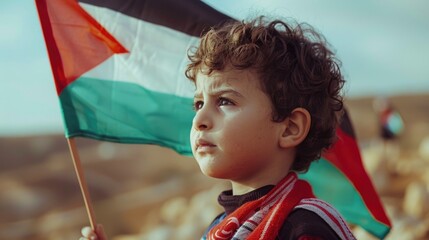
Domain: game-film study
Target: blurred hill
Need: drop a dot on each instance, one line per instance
(143, 192)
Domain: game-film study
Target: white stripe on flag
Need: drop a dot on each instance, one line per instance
(158, 55)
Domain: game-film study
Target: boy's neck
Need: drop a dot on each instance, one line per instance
(274, 172)
(240, 188)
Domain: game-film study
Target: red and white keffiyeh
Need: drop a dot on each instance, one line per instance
(262, 219)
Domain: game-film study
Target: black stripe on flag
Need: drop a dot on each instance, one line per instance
(192, 17)
(346, 124)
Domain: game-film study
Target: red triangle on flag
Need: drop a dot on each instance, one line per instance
(76, 42)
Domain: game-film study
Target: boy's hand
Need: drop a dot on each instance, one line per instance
(89, 234)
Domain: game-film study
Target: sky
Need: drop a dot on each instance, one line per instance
(383, 46)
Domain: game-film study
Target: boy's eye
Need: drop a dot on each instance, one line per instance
(224, 101)
(198, 105)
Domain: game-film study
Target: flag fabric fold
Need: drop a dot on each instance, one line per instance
(119, 68)
(339, 177)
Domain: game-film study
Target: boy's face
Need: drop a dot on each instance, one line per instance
(232, 134)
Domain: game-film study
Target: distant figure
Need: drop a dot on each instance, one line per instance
(390, 122)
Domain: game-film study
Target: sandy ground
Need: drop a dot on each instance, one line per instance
(143, 192)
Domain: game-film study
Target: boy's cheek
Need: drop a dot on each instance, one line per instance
(192, 138)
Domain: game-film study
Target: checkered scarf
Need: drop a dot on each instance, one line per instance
(262, 218)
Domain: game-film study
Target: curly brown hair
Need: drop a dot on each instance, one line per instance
(295, 67)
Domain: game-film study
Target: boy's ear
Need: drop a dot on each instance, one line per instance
(296, 128)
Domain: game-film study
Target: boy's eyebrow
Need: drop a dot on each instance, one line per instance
(220, 91)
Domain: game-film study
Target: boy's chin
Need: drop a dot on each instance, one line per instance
(211, 173)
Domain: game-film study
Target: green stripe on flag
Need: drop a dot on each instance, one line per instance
(326, 181)
(126, 113)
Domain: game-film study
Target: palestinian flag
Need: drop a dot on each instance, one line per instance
(119, 68)
(339, 178)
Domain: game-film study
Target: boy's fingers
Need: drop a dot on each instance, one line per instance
(88, 233)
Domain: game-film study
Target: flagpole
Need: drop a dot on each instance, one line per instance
(82, 182)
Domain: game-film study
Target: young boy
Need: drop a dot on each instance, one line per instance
(267, 102)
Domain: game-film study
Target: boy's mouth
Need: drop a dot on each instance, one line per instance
(203, 145)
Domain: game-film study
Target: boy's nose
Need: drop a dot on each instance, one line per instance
(202, 120)
(202, 127)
